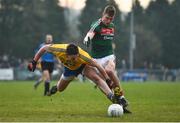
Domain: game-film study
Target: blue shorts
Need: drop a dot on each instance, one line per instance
(69, 73)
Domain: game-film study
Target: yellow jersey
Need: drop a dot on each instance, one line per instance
(59, 50)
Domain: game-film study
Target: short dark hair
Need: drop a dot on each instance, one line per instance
(72, 49)
(110, 10)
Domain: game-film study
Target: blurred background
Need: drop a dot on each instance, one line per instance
(146, 42)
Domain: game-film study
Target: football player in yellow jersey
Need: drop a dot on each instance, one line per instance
(75, 61)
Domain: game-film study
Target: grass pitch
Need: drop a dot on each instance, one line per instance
(80, 102)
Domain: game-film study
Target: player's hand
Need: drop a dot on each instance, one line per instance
(109, 83)
(32, 66)
(87, 42)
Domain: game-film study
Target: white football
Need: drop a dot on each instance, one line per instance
(115, 110)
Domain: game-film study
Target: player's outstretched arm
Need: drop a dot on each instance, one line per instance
(33, 63)
(40, 52)
(88, 38)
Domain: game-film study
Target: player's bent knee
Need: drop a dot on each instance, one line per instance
(109, 72)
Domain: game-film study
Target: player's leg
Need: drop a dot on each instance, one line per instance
(63, 82)
(41, 79)
(110, 70)
(61, 85)
(65, 79)
(90, 73)
(47, 71)
(108, 63)
(46, 75)
(118, 91)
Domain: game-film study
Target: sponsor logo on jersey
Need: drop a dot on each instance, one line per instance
(108, 38)
(107, 31)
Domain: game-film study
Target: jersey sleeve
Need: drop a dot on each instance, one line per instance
(85, 57)
(94, 26)
(56, 49)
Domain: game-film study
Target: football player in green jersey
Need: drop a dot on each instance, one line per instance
(100, 36)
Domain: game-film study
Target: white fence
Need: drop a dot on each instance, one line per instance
(6, 74)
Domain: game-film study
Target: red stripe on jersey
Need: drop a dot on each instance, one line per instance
(107, 31)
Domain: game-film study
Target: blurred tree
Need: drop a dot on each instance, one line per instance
(10, 17)
(147, 43)
(148, 46)
(164, 21)
(31, 28)
(170, 30)
(55, 20)
(23, 23)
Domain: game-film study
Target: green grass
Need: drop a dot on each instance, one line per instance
(151, 101)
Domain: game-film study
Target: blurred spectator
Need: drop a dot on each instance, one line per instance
(5, 62)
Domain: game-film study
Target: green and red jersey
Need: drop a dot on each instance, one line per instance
(102, 40)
